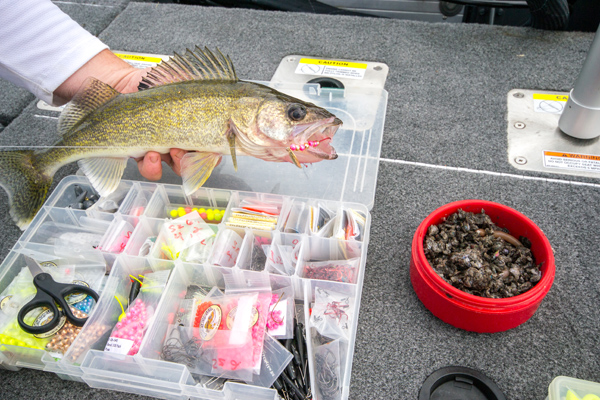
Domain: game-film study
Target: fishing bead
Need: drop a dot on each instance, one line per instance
(210, 215)
(219, 216)
(181, 211)
(302, 147)
(188, 210)
(195, 209)
(173, 213)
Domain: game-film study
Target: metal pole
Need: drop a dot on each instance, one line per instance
(581, 117)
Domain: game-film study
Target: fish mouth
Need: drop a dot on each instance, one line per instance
(312, 142)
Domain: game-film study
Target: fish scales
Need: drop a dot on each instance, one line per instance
(196, 118)
(202, 108)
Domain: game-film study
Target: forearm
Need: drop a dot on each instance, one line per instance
(41, 46)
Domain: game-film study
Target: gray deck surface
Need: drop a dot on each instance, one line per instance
(447, 110)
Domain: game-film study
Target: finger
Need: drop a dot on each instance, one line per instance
(176, 156)
(150, 166)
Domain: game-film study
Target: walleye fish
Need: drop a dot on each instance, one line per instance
(194, 102)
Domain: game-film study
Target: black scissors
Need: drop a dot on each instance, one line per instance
(49, 293)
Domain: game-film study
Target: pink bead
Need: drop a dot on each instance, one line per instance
(302, 147)
(293, 147)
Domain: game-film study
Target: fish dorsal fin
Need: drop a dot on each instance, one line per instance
(104, 173)
(93, 94)
(196, 167)
(193, 65)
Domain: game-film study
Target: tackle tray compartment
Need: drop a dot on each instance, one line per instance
(114, 240)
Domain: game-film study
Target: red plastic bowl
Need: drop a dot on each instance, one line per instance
(467, 311)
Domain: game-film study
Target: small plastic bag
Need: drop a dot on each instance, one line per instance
(280, 320)
(127, 335)
(275, 357)
(110, 203)
(198, 252)
(255, 214)
(226, 249)
(328, 371)
(260, 251)
(332, 313)
(322, 221)
(116, 237)
(289, 255)
(223, 324)
(260, 284)
(350, 225)
(345, 271)
(296, 219)
(179, 234)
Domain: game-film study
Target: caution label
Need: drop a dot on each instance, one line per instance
(342, 69)
(572, 161)
(139, 60)
(136, 60)
(549, 103)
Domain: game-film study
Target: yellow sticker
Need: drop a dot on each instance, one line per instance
(333, 63)
(335, 68)
(550, 97)
(138, 57)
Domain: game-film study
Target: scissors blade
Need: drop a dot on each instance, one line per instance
(33, 265)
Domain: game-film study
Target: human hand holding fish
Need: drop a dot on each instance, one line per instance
(124, 78)
(193, 102)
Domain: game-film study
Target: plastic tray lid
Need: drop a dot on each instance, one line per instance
(354, 92)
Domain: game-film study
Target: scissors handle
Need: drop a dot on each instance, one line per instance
(50, 292)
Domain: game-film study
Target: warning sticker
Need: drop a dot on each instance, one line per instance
(573, 161)
(139, 60)
(134, 59)
(342, 69)
(549, 103)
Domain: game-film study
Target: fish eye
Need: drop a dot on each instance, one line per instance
(296, 112)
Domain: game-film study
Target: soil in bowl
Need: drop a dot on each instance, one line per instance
(474, 255)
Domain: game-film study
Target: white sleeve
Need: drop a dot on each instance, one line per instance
(40, 46)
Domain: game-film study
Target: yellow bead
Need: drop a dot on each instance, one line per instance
(181, 211)
(200, 211)
(210, 215)
(218, 216)
(571, 395)
(195, 209)
(173, 213)
(591, 397)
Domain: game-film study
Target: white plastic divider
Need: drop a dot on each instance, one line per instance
(142, 213)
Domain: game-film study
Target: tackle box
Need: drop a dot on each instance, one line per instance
(113, 232)
(567, 388)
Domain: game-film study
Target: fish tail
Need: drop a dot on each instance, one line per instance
(25, 185)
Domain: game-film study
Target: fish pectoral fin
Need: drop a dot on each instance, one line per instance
(196, 167)
(104, 173)
(231, 139)
(93, 94)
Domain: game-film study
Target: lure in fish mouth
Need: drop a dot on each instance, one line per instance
(312, 143)
(193, 102)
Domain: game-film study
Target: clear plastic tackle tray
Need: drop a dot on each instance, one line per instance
(117, 241)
